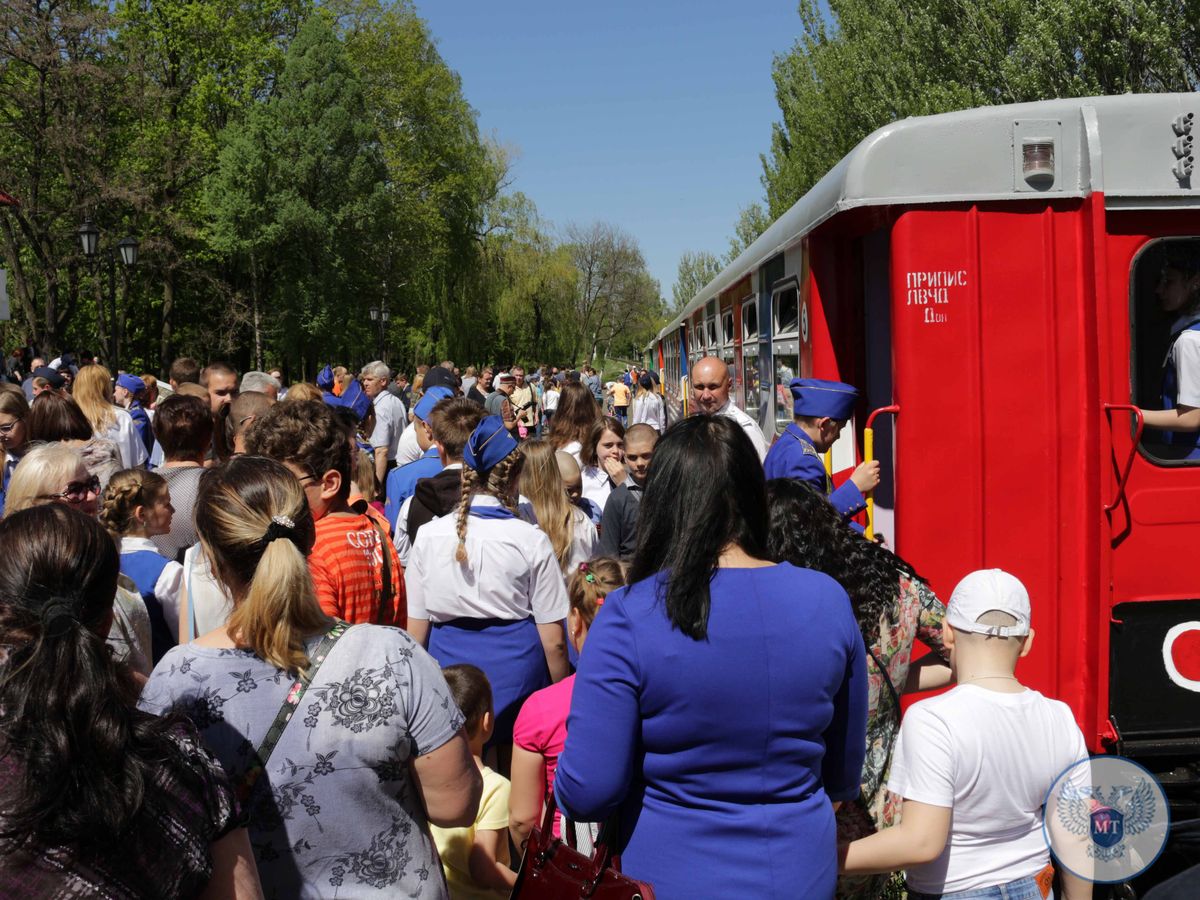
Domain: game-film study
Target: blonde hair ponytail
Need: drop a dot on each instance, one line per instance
(255, 525)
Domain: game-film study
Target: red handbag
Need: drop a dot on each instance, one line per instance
(551, 870)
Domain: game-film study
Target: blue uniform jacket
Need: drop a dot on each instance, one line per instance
(794, 456)
(141, 421)
(402, 482)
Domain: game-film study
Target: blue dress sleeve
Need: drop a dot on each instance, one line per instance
(597, 766)
(846, 735)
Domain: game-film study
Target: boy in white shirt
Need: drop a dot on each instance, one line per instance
(974, 765)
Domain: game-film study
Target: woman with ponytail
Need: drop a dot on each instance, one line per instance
(490, 584)
(571, 532)
(99, 799)
(339, 795)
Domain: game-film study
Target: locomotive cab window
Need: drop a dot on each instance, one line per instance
(1165, 315)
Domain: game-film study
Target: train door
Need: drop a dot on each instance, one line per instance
(770, 274)
(726, 333)
(785, 326)
(1151, 486)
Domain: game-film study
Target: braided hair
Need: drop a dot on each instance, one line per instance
(806, 531)
(496, 482)
(126, 491)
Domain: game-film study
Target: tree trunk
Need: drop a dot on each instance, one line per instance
(168, 310)
(256, 314)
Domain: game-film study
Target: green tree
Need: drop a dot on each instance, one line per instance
(865, 63)
(752, 222)
(695, 271)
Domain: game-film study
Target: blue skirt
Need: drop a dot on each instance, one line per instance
(509, 653)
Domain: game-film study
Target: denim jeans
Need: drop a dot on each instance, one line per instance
(1021, 889)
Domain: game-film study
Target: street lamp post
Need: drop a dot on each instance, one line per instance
(379, 314)
(127, 249)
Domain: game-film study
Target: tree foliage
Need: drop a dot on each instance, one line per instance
(695, 271)
(287, 166)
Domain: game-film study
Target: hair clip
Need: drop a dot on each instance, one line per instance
(600, 601)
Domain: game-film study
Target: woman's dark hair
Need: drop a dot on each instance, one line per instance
(576, 414)
(183, 426)
(84, 756)
(704, 491)
(806, 531)
(56, 418)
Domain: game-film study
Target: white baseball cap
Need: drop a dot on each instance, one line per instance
(984, 591)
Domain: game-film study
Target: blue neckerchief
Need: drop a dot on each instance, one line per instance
(492, 512)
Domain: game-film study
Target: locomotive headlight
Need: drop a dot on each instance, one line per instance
(1037, 159)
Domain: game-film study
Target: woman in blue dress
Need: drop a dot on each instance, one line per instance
(720, 710)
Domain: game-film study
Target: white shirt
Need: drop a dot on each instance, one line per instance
(409, 450)
(511, 571)
(550, 401)
(390, 419)
(1185, 357)
(168, 589)
(584, 541)
(209, 604)
(748, 425)
(992, 758)
(575, 449)
(648, 410)
(597, 485)
(125, 435)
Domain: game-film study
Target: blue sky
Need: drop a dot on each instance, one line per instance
(649, 115)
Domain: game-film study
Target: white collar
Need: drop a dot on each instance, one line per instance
(453, 467)
(133, 543)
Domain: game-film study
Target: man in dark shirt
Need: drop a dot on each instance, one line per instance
(482, 388)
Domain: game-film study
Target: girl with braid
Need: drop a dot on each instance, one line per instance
(485, 587)
(136, 508)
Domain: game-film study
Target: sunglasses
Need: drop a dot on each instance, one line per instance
(77, 491)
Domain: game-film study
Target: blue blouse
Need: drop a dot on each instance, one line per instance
(722, 755)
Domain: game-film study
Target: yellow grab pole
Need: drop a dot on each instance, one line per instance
(828, 460)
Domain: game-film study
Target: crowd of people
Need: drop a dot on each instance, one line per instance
(327, 640)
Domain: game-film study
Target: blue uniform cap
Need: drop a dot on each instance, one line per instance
(353, 399)
(819, 398)
(489, 443)
(131, 383)
(429, 400)
(325, 379)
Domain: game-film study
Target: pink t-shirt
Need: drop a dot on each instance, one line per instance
(541, 728)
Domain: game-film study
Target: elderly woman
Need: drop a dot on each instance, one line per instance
(720, 708)
(339, 795)
(99, 799)
(56, 473)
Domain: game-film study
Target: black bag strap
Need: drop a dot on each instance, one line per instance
(886, 678)
(291, 702)
(385, 598)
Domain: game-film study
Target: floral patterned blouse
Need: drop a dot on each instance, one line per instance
(336, 813)
(918, 615)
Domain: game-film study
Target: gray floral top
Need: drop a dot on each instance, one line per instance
(336, 814)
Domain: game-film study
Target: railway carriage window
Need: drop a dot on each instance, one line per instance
(750, 377)
(1165, 369)
(712, 332)
(727, 326)
(749, 321)
(787, 366)
(787, 310)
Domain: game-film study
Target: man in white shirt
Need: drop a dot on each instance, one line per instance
(710, 396)
(390, 417)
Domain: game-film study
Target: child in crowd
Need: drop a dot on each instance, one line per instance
(137, 507)
(572, 476)
(476, 858)
(618, 528)
(354, 566)
(540, 732)
(974, 765)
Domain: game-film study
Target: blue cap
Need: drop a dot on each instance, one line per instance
(131, 383)
(325, 379)
(353, 399)
(489, 443)
(429, 400)
(819, 398)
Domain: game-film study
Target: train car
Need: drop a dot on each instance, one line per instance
(992, 273)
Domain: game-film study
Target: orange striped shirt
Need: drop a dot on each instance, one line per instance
(347, 570)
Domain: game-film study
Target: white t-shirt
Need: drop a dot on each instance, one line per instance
(125, 435)
(511, 571)
(584, 542)
(748, 425)
(550, 401)
(1185, 357)
(992, 758)
(409, 450)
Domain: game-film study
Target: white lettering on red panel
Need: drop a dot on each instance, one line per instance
(933, 289)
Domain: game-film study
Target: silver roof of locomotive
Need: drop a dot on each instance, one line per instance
(1121, 146)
